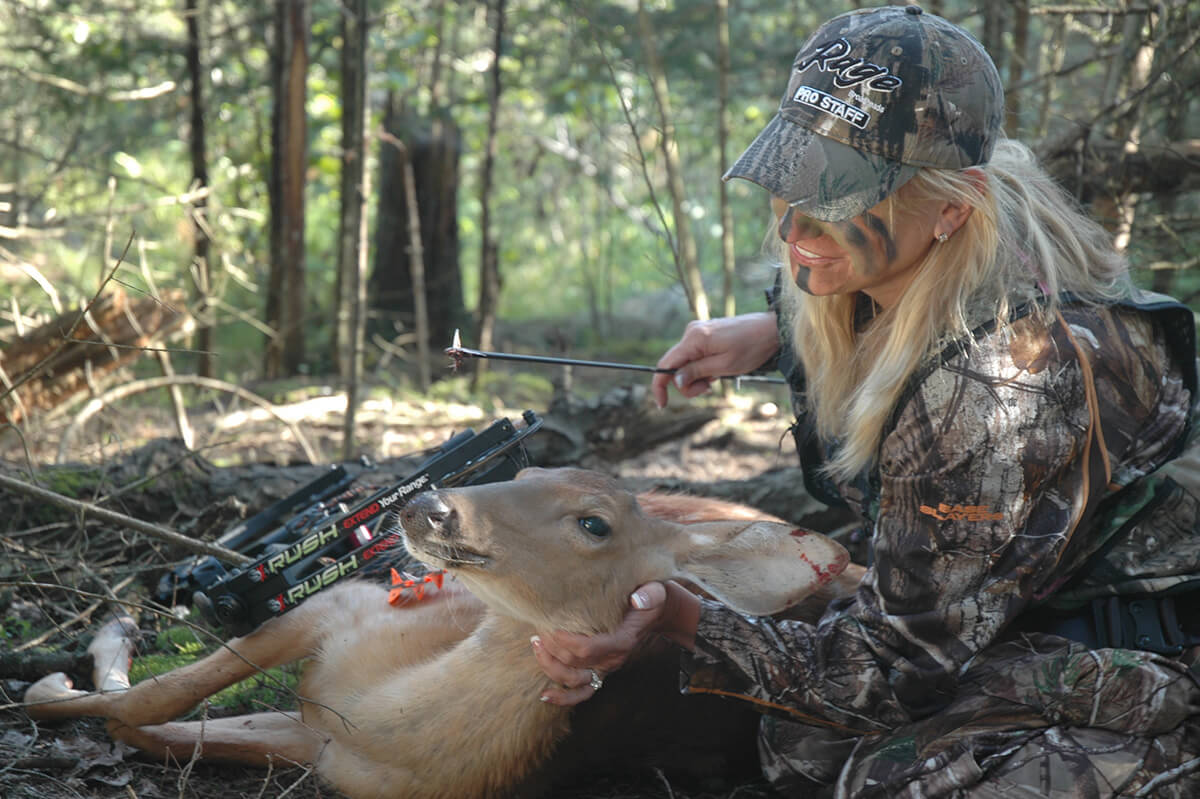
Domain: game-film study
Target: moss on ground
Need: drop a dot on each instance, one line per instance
(180, 645)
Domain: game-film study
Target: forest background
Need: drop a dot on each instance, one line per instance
(280, 176)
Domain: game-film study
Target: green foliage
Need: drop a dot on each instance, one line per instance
(69, 481)
(179, 645)
(578, 209)
(15, 630)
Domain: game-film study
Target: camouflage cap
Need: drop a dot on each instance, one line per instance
(874, 95)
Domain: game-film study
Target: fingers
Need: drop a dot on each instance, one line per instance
(555, 668)
(571, 685)
(577, 664)
(685, 384)
(658, 389)
(577, 653)
(716, 348)
(687, 359)
(648, 597)
(567, 697)
(693, 379)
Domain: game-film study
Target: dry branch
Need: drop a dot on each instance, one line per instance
(120, 519)
(149, 384)
(1101, 166)
(82, 617)
(1108, 11)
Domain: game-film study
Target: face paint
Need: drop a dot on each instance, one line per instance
(880, 229)
(862, 254)
(853, 234)
(795, 223)
(785, 223)
(868, 243)
(789, 220)
(801, 275)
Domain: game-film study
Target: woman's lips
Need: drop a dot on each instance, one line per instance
(809, 258)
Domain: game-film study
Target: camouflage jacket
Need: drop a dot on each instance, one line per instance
(1046, 462)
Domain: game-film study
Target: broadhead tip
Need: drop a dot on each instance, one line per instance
(457, 342)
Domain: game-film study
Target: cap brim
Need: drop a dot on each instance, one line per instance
(820, 177)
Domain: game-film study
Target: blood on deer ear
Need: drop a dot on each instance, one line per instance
(762, 567)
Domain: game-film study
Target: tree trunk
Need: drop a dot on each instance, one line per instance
(352, 247)
(431, 150)
(489, 266)
(200, 261)
(289, 131)
(435, 60)
(686, 261)
(1053, 56)
(1178, 101)
(993, 33)
(1130, 74)
(416, 272)
(11, 202)
(1016, 69)
(728, 264)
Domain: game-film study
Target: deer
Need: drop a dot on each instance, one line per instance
(439, 697)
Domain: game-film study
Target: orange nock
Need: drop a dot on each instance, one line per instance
(402, 583)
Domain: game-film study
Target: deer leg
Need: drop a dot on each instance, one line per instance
(159, 699)
(256, 739)
(54, 696)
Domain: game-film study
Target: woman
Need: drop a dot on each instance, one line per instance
(974, 375)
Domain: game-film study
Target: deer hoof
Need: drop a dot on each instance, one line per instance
(119, 630)
(51, 687)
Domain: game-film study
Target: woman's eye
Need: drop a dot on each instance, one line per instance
(595, 526)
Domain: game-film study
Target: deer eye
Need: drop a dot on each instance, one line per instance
(595, 526)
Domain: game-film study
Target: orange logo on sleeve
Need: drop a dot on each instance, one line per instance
(961, 513)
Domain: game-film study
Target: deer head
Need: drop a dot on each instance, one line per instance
(564, 548)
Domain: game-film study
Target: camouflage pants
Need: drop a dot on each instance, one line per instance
(1046, 719)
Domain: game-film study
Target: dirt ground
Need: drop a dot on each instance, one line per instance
(43, 609)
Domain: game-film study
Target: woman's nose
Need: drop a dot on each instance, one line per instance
(795, 226)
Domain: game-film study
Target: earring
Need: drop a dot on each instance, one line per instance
(941, 238)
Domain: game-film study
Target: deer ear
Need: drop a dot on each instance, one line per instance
(759, 568)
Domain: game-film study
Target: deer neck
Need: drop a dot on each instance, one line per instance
(495, 666)
(482, 694)
(500, 646)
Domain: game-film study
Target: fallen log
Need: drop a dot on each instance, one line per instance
(30, 666)
(619, 424)
(83, 509)
(51, 364)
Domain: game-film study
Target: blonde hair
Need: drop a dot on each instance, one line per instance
(1024, 239)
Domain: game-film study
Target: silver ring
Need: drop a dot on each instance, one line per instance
(596, 682)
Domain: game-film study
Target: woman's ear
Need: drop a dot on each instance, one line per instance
(955, 215)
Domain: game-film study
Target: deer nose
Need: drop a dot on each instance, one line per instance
(429, 513)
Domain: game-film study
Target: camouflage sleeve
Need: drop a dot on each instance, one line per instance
(981, 487)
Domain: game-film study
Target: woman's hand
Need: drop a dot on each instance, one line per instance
(732, 345)
(576, 663)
